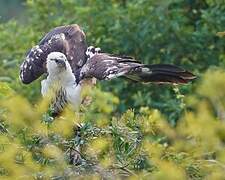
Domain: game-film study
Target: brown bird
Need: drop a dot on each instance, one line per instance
(63, 55)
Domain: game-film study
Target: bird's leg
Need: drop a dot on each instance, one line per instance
(74, 153)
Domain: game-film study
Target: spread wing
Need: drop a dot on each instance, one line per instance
(105, 67)
(69, 40)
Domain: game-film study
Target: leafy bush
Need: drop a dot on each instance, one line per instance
(135, 144)
(179, 32)
(136, 131)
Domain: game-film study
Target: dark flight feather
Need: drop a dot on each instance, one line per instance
(161, 73)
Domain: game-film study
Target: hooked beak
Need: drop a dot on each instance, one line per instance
(60, 63)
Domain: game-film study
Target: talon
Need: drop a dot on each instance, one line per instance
(75, 157)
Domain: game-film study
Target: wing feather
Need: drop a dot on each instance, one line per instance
(105, 67)
(69, 40)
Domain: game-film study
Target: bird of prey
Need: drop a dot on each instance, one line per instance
(64, 56)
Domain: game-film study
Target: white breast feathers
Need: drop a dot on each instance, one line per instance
(62, 82)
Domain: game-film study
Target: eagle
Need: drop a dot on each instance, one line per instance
(66, 60)
(63, 55)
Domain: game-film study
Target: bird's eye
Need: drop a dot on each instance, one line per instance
(56, 60)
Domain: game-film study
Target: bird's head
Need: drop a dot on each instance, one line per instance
(91, 51)
(57, 62)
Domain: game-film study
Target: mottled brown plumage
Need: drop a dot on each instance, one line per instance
(90, 62)
(70, 40)
(105, 66)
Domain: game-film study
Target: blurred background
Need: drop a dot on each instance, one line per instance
(11, 9)
(181, 32)
(142, 131)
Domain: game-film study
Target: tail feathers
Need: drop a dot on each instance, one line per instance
(162, 73)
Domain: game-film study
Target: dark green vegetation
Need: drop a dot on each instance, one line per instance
(11, 9)
(137, 143)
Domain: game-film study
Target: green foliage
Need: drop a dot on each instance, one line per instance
(135, 144)
(181, 32)
(137, 131)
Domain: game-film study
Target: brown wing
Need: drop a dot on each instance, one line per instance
(69, 40)
(105, 67)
